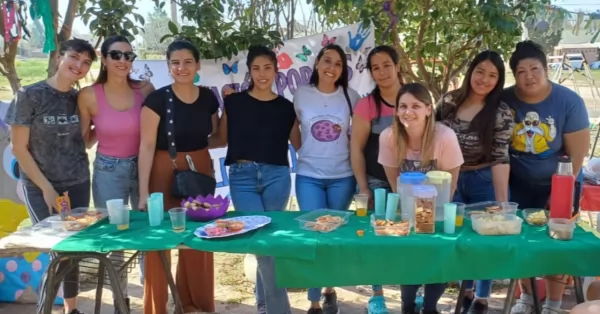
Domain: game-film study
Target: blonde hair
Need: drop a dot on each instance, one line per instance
(401, 136)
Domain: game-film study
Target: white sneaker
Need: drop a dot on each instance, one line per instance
(523, 308)
(550, 310)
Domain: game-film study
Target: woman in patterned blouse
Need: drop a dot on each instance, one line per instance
(483, 125)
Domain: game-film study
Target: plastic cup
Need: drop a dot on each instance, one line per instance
(361, 201)
(391, 206)
(509, 207)
(159, 197)
(449, 218)
(380, 195)
(155, 213)
(113, 207)
(178, 218)
(121, 218)
(460, 213)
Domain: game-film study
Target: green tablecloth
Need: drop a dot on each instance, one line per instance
(343, 258)
(104, 237)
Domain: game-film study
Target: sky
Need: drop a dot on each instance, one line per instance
(147, 6)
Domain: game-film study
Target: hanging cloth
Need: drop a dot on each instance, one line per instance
(12, 26)
(41, 8)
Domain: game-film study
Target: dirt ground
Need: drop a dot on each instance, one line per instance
(233, 294)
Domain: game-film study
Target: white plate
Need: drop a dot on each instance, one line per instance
(250, 223)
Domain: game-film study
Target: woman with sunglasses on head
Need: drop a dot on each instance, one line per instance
(194, 118)
(551, 122)
(113, 104)
(324, 177)
(483, 125)
(48, 144)
(372, 115)
(416, 143)
(256, 124)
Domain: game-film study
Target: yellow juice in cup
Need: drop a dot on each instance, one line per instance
(459, 221)
(123, 227)
(361, 212)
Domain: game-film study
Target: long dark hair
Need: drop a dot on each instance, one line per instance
(259, 51)
(485, 120)
(104, 49)
(343, 79)
(376, 93)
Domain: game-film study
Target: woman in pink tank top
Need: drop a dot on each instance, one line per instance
(113, 106)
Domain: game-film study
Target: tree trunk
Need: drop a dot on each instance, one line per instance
(65, 31)
(7, 61)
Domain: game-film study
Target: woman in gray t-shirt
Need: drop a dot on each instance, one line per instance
(48, 145)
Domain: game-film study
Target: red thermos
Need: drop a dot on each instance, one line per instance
(562, 190)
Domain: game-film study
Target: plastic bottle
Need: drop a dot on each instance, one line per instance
(562, 190)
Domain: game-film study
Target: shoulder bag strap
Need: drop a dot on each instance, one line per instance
(348, 101)
(170, 121)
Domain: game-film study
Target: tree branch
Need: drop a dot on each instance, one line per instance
(419, 41)
(67, 26)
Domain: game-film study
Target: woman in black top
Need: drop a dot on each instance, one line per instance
(195, 117)
(257, 124)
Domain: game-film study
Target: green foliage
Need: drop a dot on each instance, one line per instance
(548, 40)
(214, 36)
(111, 17)
(436, 39)
(157, 25)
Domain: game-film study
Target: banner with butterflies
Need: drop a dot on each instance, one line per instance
(295, 59)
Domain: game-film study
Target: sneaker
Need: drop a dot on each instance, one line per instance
(550, 310)
(521, 307)
(466, 305)
(261, 308)
(408, 310)
(330, 303)
(75, 311)
(314, 311)
(377, 305)
(126, 303)
(478, 308)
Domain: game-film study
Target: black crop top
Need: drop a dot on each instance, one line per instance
(193, 122)
(258, 130)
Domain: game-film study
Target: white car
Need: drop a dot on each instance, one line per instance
(595, 65)
(576, 61)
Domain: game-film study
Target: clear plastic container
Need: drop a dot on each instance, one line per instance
(78, 218)
(323, 220)
(57, 224)
(497, 224)
(536, 216)
(442, 181)
(425, 197)
(561, 229)
(395, 228)
(490, 207)
(406, 181)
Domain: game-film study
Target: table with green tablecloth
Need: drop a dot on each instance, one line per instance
(310, 259)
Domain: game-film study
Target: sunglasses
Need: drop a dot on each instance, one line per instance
(118, 55)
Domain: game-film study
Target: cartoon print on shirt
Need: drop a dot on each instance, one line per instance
(409, 165)
(74, 119)
(62, 120)
(49, 120)
(326, 128)
(532, 135)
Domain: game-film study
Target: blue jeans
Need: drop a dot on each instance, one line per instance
(115, 178)
(473, 187)
(313, 194)
(256, 187)
(433, 293)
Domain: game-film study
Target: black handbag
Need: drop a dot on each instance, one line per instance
(186, 183)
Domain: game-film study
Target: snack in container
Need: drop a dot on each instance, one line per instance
(386, 227)
(424, 208)
(229, 225)
(536, 216)
(77, 219)
(205, 208)
(497, 224)
(323, 220)
(561, 229)
(490, 207)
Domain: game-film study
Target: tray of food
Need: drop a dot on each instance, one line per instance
(483, 208)
(77, 219)
(561, 229)
(497, 224)
(323, 220)
(386, 227)
(222, 228)
(536, 216)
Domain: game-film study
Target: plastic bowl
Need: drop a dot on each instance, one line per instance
(561, 229)
(385, 227)
(217, 207)
(532, 218)
(496, 224)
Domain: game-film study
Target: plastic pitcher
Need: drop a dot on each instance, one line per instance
(442, 181)
(405, 183)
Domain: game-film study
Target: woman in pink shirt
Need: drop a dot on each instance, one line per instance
(416, 143)
(113, 105)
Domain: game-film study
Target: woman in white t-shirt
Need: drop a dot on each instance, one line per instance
(324, 178)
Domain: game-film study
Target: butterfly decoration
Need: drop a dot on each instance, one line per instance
(146, 75)
(327, 41)
(227, 69)
(361, 64)
(304, 54)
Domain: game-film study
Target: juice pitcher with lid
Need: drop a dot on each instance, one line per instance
(442, 181)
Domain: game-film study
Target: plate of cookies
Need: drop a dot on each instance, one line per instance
(222, 228)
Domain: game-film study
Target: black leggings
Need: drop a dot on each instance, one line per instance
(529, 195)
(38, 211)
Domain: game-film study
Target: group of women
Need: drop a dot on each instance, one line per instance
(489, 138)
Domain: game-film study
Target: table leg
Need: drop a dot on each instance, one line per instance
(114, 283)
(536, 299)
(171, 281)
(510, 296)
(461, 296)
(48, 291)
(99, 286)
(578, 289)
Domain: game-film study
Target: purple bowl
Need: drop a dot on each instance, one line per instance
(197, 211)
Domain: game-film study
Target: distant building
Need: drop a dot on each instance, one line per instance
(591, 52)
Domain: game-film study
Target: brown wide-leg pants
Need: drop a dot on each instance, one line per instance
(195, 269)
